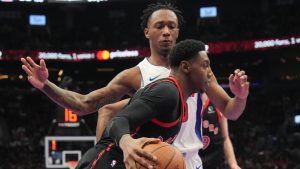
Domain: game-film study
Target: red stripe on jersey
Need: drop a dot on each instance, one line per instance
(184, 114)
(163, 124)
(205, 106)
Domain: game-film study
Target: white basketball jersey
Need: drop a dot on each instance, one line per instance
(187, 140)
(151, 72)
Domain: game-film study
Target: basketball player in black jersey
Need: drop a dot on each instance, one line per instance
(217, 145)
(155, 111)
(161, 24)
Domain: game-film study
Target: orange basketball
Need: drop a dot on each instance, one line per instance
(167, 155)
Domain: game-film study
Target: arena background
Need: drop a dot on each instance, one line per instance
(87, 42)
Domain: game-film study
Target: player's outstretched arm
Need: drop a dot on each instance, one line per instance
(123, 83)
(232, 108)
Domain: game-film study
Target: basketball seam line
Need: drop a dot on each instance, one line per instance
(174, 153)
(154, 151)
(159, 148)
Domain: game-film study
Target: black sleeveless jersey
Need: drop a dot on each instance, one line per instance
(212, 152)
(165, 121)
(165, 126)
(155, 111)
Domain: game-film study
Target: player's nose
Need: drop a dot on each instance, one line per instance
(209, 74)
(166, 31)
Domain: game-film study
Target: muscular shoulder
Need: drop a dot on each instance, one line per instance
(129, 78)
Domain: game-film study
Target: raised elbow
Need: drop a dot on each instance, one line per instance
(106, 112)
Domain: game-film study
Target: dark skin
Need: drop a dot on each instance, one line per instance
(188, 74)
(162, 32)
(123, 84)
(161, 40)
(162, 37)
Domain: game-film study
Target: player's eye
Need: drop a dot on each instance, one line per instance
(206, 65)
(172, 26)
(159, 26)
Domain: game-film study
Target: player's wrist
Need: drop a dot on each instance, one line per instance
(123, 140)
(241, 98)
(46, 84)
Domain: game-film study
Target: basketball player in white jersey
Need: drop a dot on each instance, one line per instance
(189, 139)
(161, 23)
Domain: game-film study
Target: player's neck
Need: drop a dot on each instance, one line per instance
(187, 89)
(159, 60)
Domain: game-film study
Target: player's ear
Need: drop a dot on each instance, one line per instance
(146, 33)
(185, 66)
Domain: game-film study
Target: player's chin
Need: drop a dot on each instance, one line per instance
(165, 50)
(201, 89)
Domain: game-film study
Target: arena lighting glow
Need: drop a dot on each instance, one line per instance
(124, 54)
(297, 119)
(276, 42)
(54, 55)
(37, 20)
(36, 1)
(53, 145)
(65, 56)
(70, 119)
(96, 0)
(206, 48)
(2, 77)
(105, 54)
(58, 1)
(70, 116)
(102, 55)
(60, 72)
(251, 45)
(212, 48)
(208, 12)
(6, 0)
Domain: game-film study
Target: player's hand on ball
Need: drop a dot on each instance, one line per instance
(238, 83)
(133, 152)
(37, 74)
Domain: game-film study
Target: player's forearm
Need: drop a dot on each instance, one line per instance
(67, 99)
(229, 152)
(104, 116)
(125, 138)
(234, 108)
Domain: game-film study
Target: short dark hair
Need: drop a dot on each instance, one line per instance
(157, 6)
(185, 50)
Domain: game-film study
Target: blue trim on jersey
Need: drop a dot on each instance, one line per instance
(199, 117)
